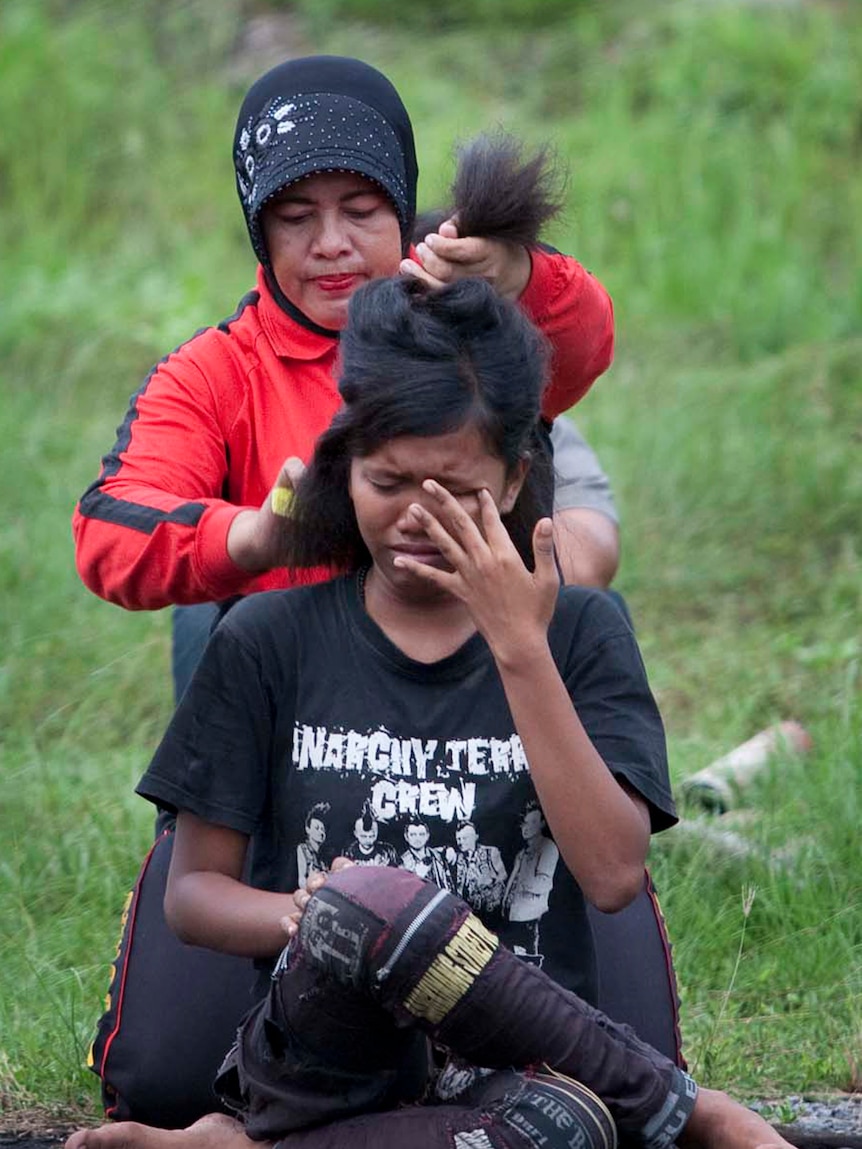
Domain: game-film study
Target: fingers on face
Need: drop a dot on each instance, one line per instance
(459, 536)
(492, 524)
(450, 523)
(437, 534)
(423, 571)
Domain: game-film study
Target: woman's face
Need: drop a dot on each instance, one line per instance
(385, 483)
(326, 235)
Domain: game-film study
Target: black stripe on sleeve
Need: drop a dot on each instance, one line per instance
(95, 504)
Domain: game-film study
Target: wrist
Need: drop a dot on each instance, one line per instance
(677, 1120)
(220, 577)
(256, 540)
(522, 655)
(244, 544)
(517, 277)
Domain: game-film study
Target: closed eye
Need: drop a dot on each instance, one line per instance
(292, 219)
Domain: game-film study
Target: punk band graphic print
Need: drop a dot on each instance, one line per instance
(425, 792)
(372, 755)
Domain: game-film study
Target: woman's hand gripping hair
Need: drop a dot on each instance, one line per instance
(256, 538)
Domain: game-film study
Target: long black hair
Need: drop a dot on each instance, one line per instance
(422, 362)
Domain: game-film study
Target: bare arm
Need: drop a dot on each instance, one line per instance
(718, 1122)
(157, 506)
(586, 535)
(206, 903)
(255, 539)
(602, 830)
(588, 546)
(201, 444)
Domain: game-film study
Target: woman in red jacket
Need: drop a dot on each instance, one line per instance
(326, 173)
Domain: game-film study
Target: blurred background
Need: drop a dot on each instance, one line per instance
(715, 188)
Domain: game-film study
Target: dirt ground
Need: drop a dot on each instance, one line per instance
(32, 1139)
(53, 1137)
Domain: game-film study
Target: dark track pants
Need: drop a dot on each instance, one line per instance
(383, 958)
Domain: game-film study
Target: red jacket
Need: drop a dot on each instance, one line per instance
(206, 435)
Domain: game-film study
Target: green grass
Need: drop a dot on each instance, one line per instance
(715, 187)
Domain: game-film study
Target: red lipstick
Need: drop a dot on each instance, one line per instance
(336, 283)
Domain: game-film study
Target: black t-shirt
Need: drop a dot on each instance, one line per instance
(302, 717)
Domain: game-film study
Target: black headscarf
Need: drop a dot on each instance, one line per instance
(321, 114)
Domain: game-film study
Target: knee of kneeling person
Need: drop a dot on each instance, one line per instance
(358, 914)
(560, 1113)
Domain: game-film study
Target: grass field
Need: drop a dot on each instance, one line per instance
(716, 188)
